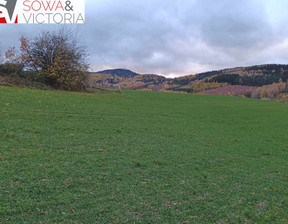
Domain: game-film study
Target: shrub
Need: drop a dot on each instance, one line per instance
(11, 69)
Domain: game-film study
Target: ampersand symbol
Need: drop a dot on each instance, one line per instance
(68, 6)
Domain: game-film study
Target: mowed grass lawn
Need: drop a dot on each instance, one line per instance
(141, 157)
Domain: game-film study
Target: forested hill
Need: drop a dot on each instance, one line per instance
(257, 75)
(119, 72)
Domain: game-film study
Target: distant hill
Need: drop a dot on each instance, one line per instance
(257, 75)
(254, 76)
(119, 72)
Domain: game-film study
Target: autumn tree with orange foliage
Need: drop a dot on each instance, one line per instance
(57, 59)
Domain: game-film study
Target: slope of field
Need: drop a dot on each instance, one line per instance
(141, 157)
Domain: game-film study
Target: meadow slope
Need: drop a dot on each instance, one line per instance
(141, 157)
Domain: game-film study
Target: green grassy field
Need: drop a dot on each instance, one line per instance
(141, 157)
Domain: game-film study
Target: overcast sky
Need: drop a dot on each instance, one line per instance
(177, 37)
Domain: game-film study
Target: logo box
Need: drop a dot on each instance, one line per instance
(42, 11)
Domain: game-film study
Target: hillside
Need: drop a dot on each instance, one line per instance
(254, 76)
(141, 157)
(263, 81)
(119, 72)
(126, 79)
(258, 75)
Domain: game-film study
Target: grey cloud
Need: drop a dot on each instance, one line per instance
(175, 36)
(233, 23)
(217, 33)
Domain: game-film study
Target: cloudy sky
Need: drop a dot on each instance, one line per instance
(176, 37)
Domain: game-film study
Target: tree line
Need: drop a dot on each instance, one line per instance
(254, 80)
